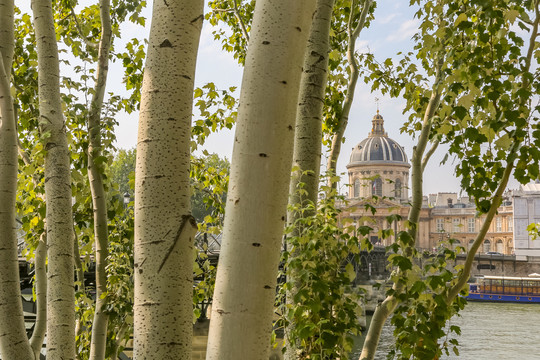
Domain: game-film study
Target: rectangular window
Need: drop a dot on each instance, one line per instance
(498, 224)
(471, 225)
(510, 224)
(457, 225)
(440, 225)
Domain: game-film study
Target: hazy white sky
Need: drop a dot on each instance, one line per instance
(390, 32)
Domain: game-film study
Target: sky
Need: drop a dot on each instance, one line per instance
(390, 32)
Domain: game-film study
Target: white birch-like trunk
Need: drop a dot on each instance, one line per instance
(164, 227)
(241, 321)
(337, 138)
(98, 343)
(60, 290)
(40, 284)
(308, 134)
(40, 281)
(13, 341)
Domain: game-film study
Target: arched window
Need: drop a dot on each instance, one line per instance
(356, 188)
(471, 242)
(500, 246)
(397, 185)
(376, 187)
(487, 246)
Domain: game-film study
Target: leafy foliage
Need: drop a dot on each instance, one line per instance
(324, 307)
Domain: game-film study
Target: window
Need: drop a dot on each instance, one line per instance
(487, 246)
(471, 225)
(498, 224)
(356, 188)
(457, 225)
(471, 242)
(440, 225)
(376, 187)
(510, 223)
(500, 246)
(398, 188)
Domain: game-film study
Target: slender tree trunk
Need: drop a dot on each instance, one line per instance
(40, 282)
(308, 133)
(13, 341)
(40, 328)
(164, 226)
(388, 306)
(260, 173)
(60, 290)
(98, 342)
(337, 139)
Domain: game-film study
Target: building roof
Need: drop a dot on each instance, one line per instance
(531, 187)
(378, 147)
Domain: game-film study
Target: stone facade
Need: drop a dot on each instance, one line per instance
(379, 177)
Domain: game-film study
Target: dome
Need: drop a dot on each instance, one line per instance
(378, 147)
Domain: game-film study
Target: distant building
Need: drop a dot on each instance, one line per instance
(379, 167)
(526, 210)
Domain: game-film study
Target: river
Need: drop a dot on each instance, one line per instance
(489, 332)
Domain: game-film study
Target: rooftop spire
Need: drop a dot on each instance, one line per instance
(378, 125)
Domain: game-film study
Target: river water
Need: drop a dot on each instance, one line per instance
(489, 332)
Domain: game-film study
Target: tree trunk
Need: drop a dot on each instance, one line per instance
(98, 342)
(308, 133)
(384, 310)
(260, 173)
(13, 341)
(164, 227)
(60, 290)
(40, 281)
(40, 328)
(337, 139)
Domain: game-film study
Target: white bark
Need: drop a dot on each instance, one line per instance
(60, 290)
(352, 36)
(164, 227)
(260, 171)
(98, 342)
(40, 281)
(308, 133)
(13, 341)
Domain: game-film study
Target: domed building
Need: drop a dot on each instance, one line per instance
(379, 166)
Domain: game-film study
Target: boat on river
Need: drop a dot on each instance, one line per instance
(505, 289)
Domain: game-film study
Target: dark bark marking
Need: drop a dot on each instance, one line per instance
(263, 155)
(185, 219)
(221, 312)
(284, 82)
(256, 244)
(266, 42)
(159, 176)
(200, 17)
(165, 2)
(165, 43)
(283, 218)
(171, 119)
(267, 287)
(298, 28)
(236, 202)
(185, 77)
(50, 145)
(290, 127)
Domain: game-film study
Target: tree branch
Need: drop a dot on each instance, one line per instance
(240, 21)
(79, 30)
(430, 152)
